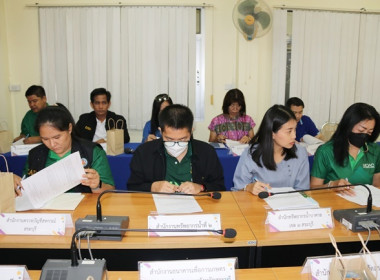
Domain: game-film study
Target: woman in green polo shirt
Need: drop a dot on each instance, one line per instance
(57, 130)
(351, 156)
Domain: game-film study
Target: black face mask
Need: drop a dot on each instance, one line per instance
(358, 139)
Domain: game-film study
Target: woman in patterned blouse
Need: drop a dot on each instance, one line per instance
(233, 124)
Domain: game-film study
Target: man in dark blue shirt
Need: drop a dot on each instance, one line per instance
(304, 123)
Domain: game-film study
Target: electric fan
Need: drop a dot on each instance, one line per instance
(253, 18)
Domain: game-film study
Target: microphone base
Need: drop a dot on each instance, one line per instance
(114, 223)
(62, 269)
(351, 218)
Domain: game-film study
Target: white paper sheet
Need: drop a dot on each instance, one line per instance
(18, 148)
(175, 204)
(311, 143)
(236, 147)
(19, 142)
(51, 181)
(65, 201)
(289, 200)
(361, 195)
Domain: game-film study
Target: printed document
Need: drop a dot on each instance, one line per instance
(236, 147)
(290, 200)
(311, 143)
(65, 201)
(361, 195)
(18, 148)
(51, 182)
(176, 204)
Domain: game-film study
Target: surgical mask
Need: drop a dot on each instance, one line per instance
(358, 139)
(175, 148)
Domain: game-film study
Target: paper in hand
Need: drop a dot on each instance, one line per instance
(52, 181)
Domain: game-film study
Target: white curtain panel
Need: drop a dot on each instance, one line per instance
(80, 52)
(324, 62)
(134, 52)
(368, 73)
(158, 56)
(279, 56)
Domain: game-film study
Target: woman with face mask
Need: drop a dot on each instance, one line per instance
(351, 156)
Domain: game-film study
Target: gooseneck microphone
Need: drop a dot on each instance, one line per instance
(213, 195)
(116, 223)
(350, 218)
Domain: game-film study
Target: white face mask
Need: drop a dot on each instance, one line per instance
(175, 148)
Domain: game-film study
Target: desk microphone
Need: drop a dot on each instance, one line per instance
(96, 269)
(350, 218)
(116, 223)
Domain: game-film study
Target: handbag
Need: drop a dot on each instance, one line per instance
(7, 197)
(342, 268)
(115, 138)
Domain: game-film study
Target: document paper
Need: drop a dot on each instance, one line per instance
(18, 148)
(65, 201)
(236, 147)
(51, 182)
(361, 195)
(176, 204)
(290, 200)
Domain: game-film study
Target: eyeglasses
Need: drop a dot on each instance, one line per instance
(172, 143)
(162, 98)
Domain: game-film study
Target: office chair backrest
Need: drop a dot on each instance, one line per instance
(328, 129)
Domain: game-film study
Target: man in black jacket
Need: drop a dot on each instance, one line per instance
(93, 126)
(176, 162)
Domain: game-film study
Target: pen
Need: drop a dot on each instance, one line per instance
(19, 187)
(27, 136)
(255, 179)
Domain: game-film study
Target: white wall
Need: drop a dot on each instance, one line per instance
(230, 60)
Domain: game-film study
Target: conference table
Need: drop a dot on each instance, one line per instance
(292, 248)
(137, 246)
(120, 165)
(276, 273)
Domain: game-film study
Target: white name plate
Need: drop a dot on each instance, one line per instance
(302, 219)
(14, 272)
(32, 224)
(188, 269)
(183, 223)
(319, 267)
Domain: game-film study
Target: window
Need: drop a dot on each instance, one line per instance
(333, 60)
(136, 52)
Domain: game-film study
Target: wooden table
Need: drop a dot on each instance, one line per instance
(278, 243)
(137, 246)
(283, 273)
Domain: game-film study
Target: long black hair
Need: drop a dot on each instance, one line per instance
(356, 113)
(58, 116)
(158, 100)
(262, 144)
